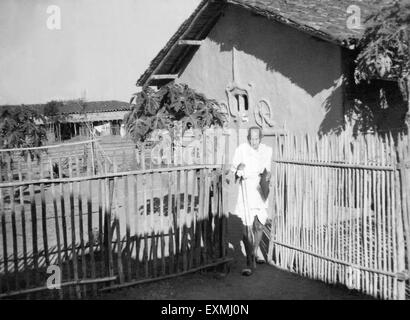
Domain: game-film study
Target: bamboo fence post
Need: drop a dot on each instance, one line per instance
(171, 217)
(400, 241)
(307, 206)
(193, 223)
(379, 221)
(117, 225)
(13, 225)
(312, 198)
(73, 235)
(161, 214)
(405, 189)
(274, 178)
(101, 215)
(366, 233)
(280, 206)
(92, 149)
(81, 224)
(385, 214)
(23, 225)
(44, 215)
(356, 157)
(153, 226)
(145, 230)
(327, 203)
(184, 226)
(137, 220)
(176, 219)
(63, 216)
(108, 234)
(205, 214)
(128, 229)
(373, 221)
(214, 221)
(224, 197)
(64, 227)
(33, 211)
(391, 223)
(378, 153)
(201, 190)
(322, 190)
(387, 235)
(205, 200)
(4, 233)
(91, 239)
(57, 228)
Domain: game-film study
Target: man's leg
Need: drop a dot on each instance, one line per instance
(258, 234)
(248, 240)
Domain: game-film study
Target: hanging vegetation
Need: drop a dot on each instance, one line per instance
(171, 104)
(384, 49)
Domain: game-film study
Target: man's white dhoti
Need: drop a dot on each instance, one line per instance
(255, 162)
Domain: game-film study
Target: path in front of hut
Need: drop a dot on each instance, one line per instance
(267, 283)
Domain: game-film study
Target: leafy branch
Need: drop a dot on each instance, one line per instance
(153, 110)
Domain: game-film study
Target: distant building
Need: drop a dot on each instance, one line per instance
(76, 118)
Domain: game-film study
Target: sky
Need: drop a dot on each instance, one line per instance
(92, 49)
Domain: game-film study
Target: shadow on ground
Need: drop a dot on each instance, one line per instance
(267, 283)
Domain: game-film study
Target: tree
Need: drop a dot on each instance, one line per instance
(21, 127)
(172, 103)
(385, 48)
(52, 112)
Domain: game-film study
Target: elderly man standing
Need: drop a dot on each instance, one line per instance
(250, 161)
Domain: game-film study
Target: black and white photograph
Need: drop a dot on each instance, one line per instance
(212, 152)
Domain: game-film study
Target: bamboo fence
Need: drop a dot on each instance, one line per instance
(107, 229)
(341, 211)
(35, 162)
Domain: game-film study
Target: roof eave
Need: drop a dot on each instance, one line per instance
(145, 78)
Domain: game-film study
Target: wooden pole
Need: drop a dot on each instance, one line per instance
(73, 233)
(23, 225)
(57, 228)
(91, 239)
(44, 214)
(81, 223)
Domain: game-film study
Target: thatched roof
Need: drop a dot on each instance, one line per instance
(325, 19)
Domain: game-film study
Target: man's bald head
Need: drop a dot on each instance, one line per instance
(254, 128)
(255, 136)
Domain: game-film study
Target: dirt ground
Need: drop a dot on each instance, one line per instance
(267, 283)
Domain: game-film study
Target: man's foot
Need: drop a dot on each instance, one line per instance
(247, 272)
(260, 261)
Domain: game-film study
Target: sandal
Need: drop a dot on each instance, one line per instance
(247, 272)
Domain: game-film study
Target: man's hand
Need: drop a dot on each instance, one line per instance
(268, 176)
(239, 171)
(241, 166)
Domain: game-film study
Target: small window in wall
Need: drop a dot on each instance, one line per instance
(242, 102)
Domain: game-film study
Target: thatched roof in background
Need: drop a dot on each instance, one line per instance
(325, 19)
(76, 107)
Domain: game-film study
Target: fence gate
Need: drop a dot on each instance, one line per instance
(340, 211)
